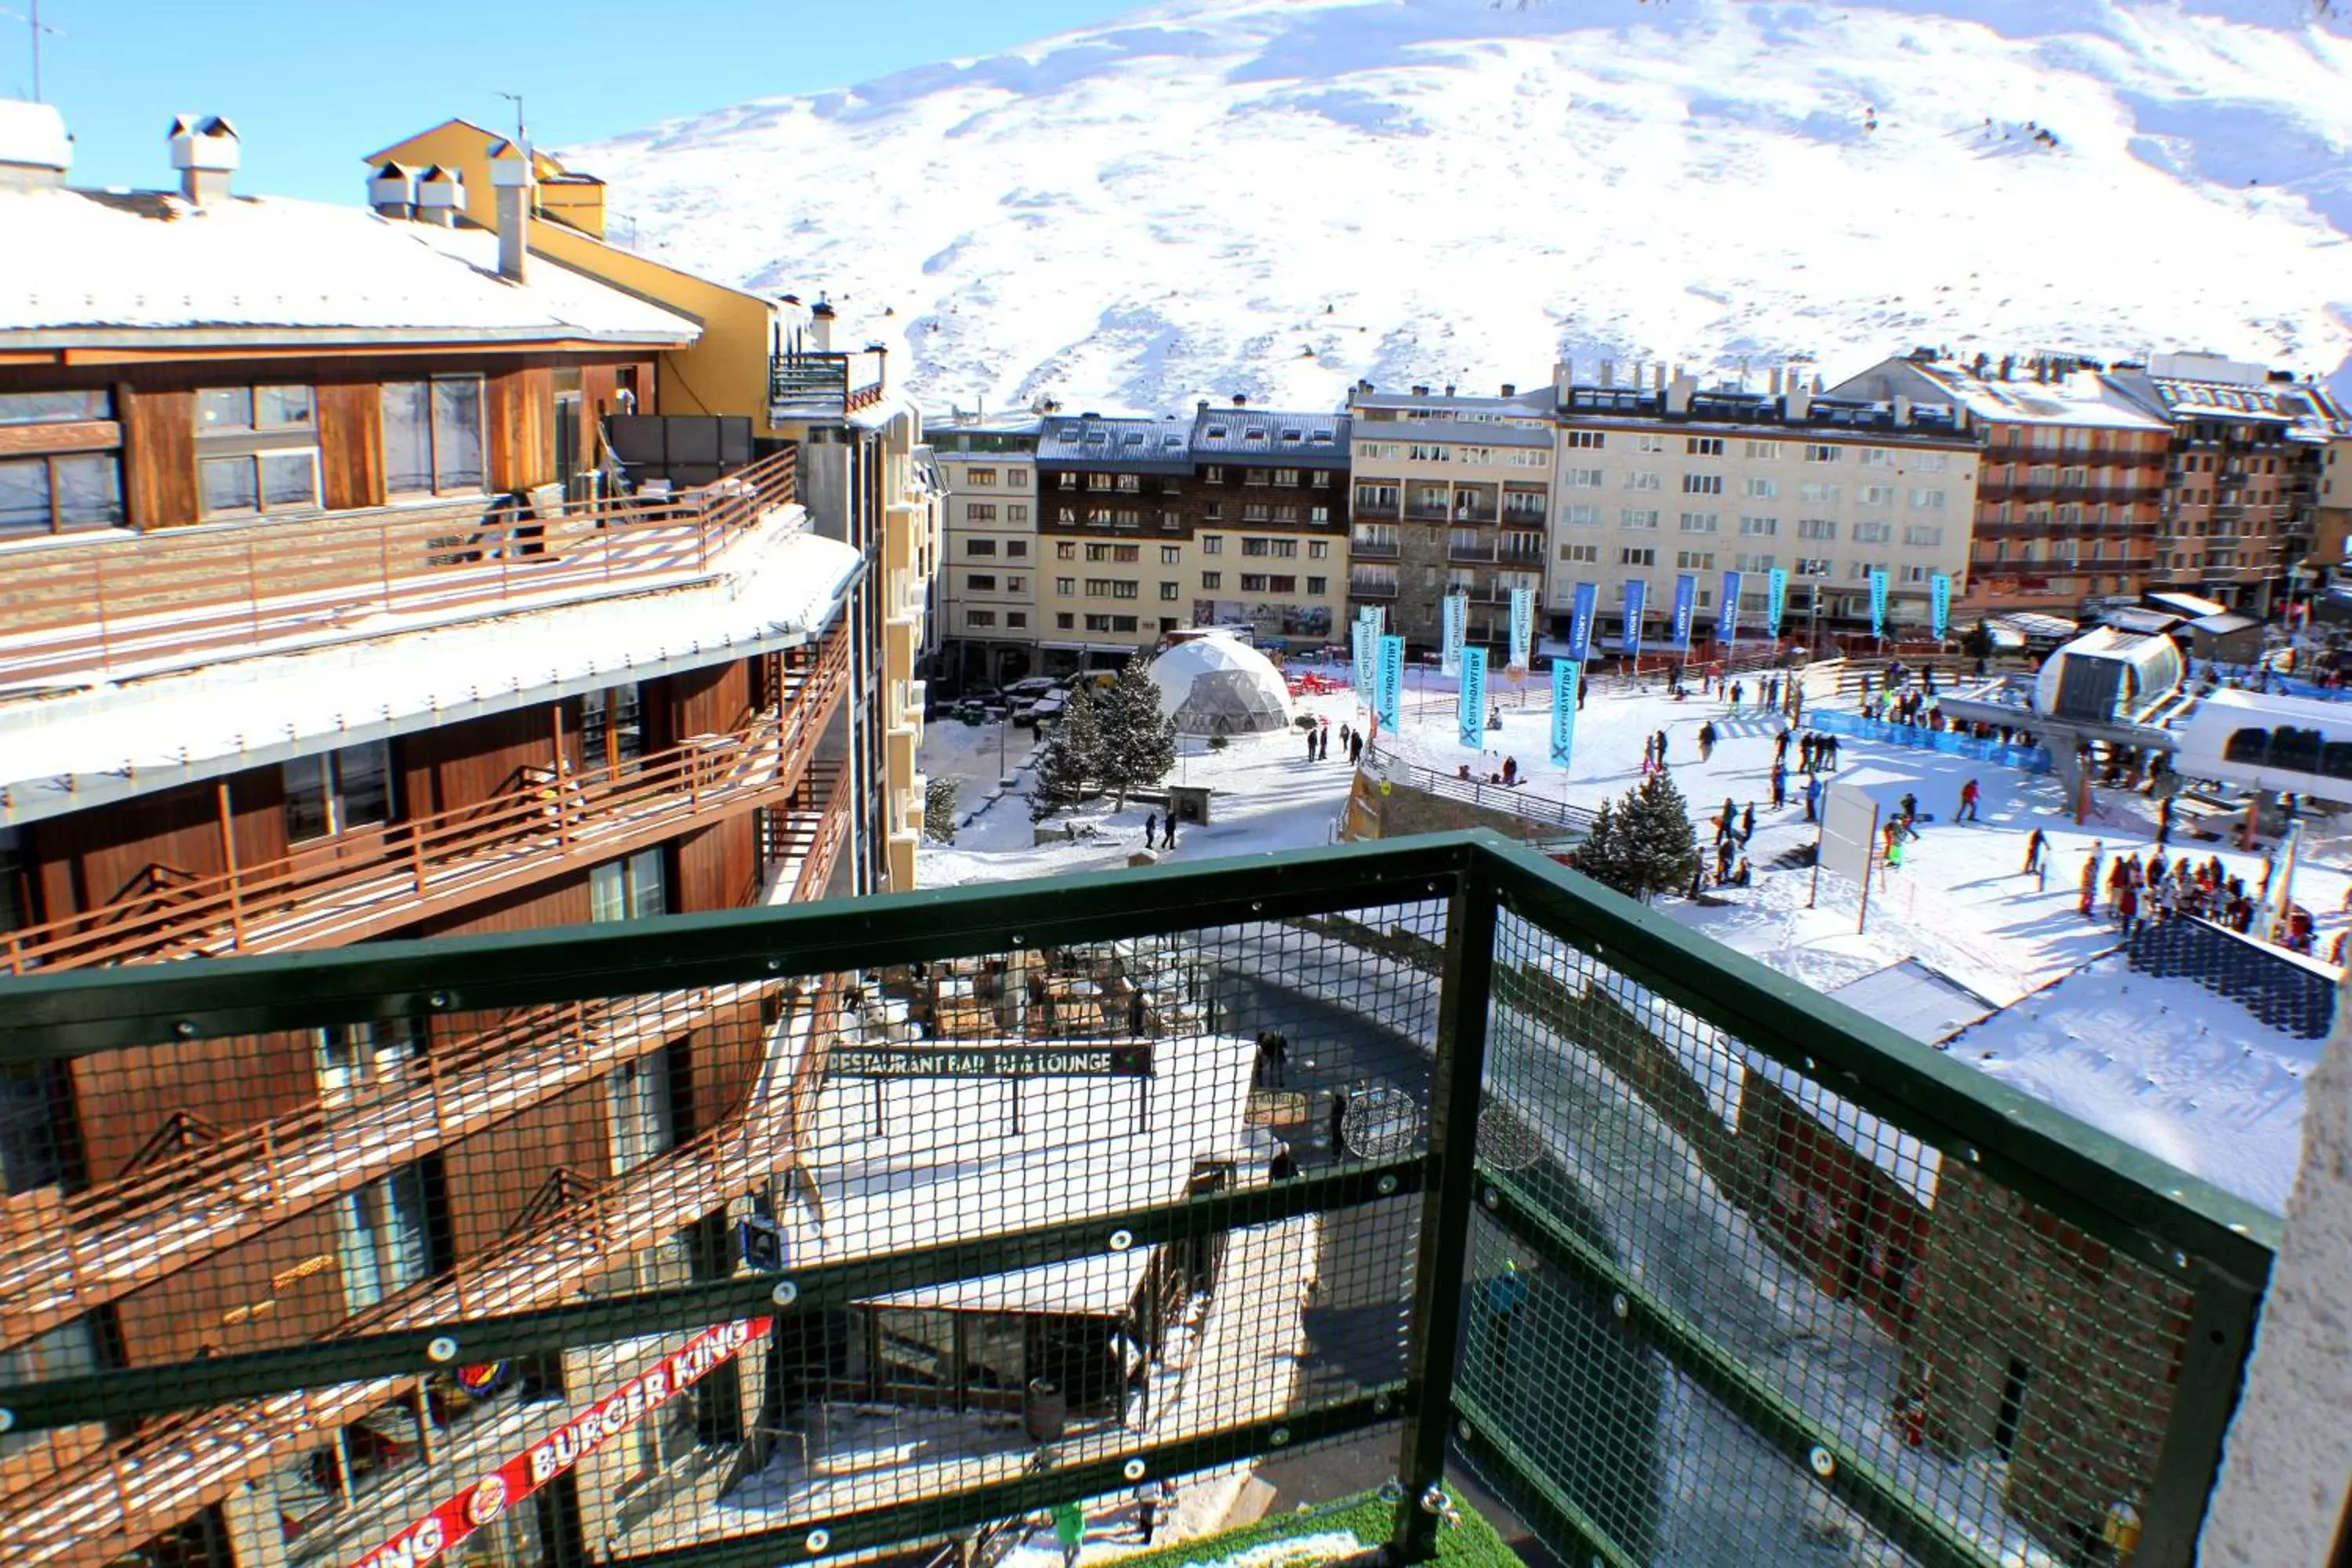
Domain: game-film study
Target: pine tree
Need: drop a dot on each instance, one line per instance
(940, 810)
(1139, 741)
(1072, 757)
(1660, 851)
(1601, 856)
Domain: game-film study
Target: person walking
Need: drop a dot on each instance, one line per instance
(1747, 822)
(1779, 787)
(2034, 843)
(1812, 798)
(1150, 828)
(1830, 751)
(2128, 908)
(1738, 691)
(1706, 742)
(1893, 855)
(1310, 745)
(1724, 820)
(1723, 850)
(1780, 748)
(1662, 751)
(2090, 888)
(2164, 822)
(1147, 1516)
(1968, 793)
(1069, 1531)
(1339, 1123)
(1167, 832)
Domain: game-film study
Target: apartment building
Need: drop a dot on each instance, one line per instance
(338, 612)
(1233, 517)
(1662, 480)
(2240, 492)
(1451, 494)
(2331, 534)
(990, 561)
(2069, 505)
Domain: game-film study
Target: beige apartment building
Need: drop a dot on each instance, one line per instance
(2332, 516)
(1662, 480)
(990, 568)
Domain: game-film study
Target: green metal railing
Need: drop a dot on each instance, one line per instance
(1687, 1263)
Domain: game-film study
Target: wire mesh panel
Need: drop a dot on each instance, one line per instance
(842, 1258)
(1759, 1323)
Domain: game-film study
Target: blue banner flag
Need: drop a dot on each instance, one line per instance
(1457, 632)
(1637, 600)
(1579, 623)
(1523, 627)
(1363, 636)
(1878, 603)
(1939, 603)
(1472, 706)
(1726, 617)
(1563, 710)
(1685, 605)
(1387, 687)
(1776, 599)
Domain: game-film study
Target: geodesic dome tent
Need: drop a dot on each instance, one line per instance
(1221, 685)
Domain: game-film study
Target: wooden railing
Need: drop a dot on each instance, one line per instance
(365, 882)
(180, 596)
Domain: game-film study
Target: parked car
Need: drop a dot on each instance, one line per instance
(1036, 686)
(1046, 710)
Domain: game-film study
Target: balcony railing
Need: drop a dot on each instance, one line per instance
(371, 880)
(174, 596)
(1478, 550)
(1372, 549)
(1686, 1261)
(1373, 587)
(819, 385)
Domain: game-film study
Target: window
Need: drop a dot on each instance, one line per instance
(257, 448)
(980, 617)
(1922, 535)
(980, 479)
(1632, 556)
(1763, 451)
(1821, 452)
(1872, 532)
(1065, 621)
(1066, 586)
(1212, 581)
(980, 511)
(1875, 495)
(1703, 445)
(1580, 554)
(1761, 563)
(1821, 528)
(1172, 555)
(1065, 514)
(1927, 500)
(611, 731)
(1694, 559)
(1287, 477)
(335, 791)
(1316, 514)
(644, 1106)
(1764, 488)
(1318, 587)
(1929, 462)
(433, 437)
(980, 583)
(1876, 457)
(980, 547)
(633, 887)
(1068, 481)
(1213, 544)
(1582, 516)
(385, 1237)
(1319, 550)
(1588, 439)
(1638, 517)
(1097, 482)
(1016, 619)
(1702, 484)
(1319, 479)
(1646, 443)
(61, 493)
(1016, 511)
(1168, 590)
(1130, 484)
(1124, 588)
(1285, 549)
(69, 1349)
(1642, 479)
(1212, 511)
(1422, 453)
(361, 1060)
(1252, 582)
(1759, 527)
(1700, 522)
(1813, 494)
(1587, 478)
(1812, 566)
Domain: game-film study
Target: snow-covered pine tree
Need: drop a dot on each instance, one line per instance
(1601, 856)
(940, 810)
(1660, 851)
(1073, 756)
(1139, 741)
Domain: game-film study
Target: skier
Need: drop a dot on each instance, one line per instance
(1150, 830)
(2033, 846)
(1968, 812)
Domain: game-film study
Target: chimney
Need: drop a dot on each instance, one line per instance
(1776, 381)
(510, 178)
(35, 151)
(391, 191)
(1449, 389)
(1510, 389)
(1678, 392)
(1563, 379)
(1658, 378)
(1796, 403)
(204, 150)
(1902, 410)
(440, 196)
(1607, 373)
(820, 327)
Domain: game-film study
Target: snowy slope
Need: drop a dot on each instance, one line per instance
(1276, 197)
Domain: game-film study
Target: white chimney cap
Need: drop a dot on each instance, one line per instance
(33, 136)
(204, 142)
(510, 165)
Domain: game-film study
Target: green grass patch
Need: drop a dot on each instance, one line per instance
(1472, 1543)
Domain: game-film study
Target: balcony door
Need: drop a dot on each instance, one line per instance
(359, 1061)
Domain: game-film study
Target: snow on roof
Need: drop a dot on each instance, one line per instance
(2189, 604)
(1438, 427)
(2163, 1063)
(2081, 398)
(1914, 1000)
(931, 1161)
(90, 267)
(387, 675)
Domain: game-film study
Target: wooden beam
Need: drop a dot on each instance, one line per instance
(74, 436)
(173, 356)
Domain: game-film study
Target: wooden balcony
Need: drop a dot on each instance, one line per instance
(178, 596)
(374, 880)
(818, 385)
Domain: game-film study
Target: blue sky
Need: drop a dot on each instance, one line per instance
(314, 85)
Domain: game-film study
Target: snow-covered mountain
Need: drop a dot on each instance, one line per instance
(1275, 197)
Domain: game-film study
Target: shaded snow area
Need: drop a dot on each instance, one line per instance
(1882, 167)
(2161, 1062)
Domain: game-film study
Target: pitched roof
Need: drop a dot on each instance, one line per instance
(1246, 435)
(90, 268)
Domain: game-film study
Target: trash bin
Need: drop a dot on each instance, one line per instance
(1045, 1411)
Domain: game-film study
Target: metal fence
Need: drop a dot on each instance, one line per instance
(764, 1236)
